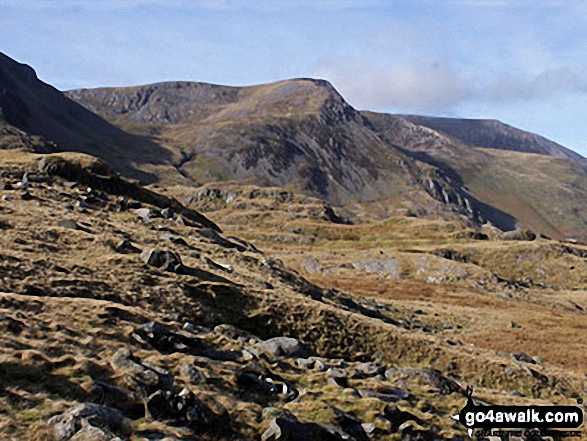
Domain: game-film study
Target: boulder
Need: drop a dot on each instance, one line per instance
(90, 419)
(284, 347)
(520, 234)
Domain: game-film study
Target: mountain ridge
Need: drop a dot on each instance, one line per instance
(303, 136)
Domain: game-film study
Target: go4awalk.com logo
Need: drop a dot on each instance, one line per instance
(529, 421)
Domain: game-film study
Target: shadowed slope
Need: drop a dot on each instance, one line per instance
(36, 108)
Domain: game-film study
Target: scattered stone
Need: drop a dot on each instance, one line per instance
(8, 187)
(284, 347)
(193, 374)
(147, 213)
(514, 325)
(397, 417)
(26, 196)
(138, 376)
(158, 336)
(87, 417)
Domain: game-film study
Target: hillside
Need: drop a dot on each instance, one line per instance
(126, 314)
(32, 108)
(496, 135)
(543, 191)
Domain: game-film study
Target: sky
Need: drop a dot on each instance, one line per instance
(522, 62)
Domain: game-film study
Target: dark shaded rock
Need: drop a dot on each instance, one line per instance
(350, 424)
(68, 425)
(13, 325)
(288, 428)
(539, 376)
(252, 381)
(163, 260)
(160, 337)
(217, 239)
(133, 205)
(397, 417)
(140, 377)
(284, 347)
(31, 290)
(127, 401)
(167, 213)
(26, 196)
(184, 408)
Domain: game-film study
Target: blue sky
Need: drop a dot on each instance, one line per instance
(522, 62)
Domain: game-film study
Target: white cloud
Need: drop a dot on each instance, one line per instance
(414, 87)
(440, 87)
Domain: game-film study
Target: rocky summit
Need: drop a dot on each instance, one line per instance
(289, 269)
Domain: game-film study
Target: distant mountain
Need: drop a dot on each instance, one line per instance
(298, 134)
(495, 135)
(546, 191)
(303, 136)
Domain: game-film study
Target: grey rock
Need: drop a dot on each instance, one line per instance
(68, 425)
(284, 347)
(68, 223)
(193, 374)
(147, 213)
(523, 234)
(388, 394)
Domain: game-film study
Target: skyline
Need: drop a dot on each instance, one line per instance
(519, 62)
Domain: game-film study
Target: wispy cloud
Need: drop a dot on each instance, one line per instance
(440, 87)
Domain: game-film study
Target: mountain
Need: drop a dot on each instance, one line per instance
(543, 190)
(297, 134)
(495, 135)
(301, 135)
(30, 107)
